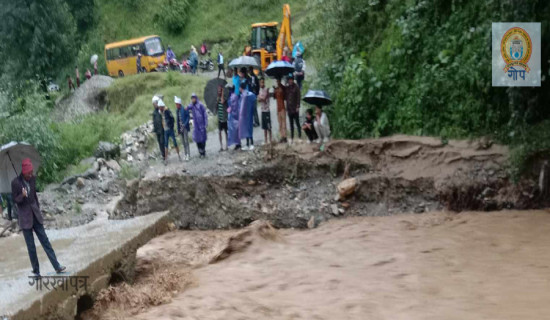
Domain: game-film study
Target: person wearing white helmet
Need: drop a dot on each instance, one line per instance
(157, 125)
(168, 125)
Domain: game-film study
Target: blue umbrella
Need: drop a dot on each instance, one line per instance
(317, 98)
(279, 69)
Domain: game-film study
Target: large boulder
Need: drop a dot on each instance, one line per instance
(107, 150)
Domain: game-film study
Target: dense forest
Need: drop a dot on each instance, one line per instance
(424, 68)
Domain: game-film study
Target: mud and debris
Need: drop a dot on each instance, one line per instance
(391, 175)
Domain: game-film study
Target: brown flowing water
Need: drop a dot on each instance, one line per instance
(431, 266)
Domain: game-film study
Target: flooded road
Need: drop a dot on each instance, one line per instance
(429, 266)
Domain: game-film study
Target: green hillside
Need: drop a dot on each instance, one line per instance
(222, 25)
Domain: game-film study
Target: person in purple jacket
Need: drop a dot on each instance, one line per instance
(200, 123)
(23, 189)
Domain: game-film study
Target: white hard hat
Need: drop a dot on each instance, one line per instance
(177, 99)
(161, 103)
(155, 99)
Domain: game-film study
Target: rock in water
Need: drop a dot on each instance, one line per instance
(107, 150)
(347, 187)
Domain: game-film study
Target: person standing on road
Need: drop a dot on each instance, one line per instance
(236, 81)
(233, 121)
(157, 126)
(168, 125)
(279, 96)
(299, 69)
(77, 76)
(263, 99)
(23, 190)
(292, 94)
(12, 210)
(138, 62)
(255, 88)
(247, 102)
(200, 124)
(183, 126)
(222, 117)
(194, 57)
(221, 66)
(170, 55)
(70, 83)
(95, 68)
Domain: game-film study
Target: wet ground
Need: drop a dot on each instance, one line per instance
(77, 248)
(431, 266)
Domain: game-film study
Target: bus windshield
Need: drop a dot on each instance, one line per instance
(153, 47)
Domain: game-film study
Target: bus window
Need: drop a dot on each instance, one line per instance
(153, 47)
(124, 52)
(113, 54)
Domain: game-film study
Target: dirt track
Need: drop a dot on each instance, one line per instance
(430, 266)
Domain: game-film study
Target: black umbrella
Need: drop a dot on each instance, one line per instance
(279, 69)
(211, 94)
(317, 98)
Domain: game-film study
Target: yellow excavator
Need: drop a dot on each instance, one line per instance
(265, 45)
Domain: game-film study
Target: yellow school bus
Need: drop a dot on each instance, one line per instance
(121, 56)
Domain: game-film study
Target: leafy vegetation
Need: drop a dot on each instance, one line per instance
(424, 68)
(64, 145)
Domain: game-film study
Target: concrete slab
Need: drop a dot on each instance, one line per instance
(94, 250)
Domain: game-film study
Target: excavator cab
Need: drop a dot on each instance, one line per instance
(263, 42)
(264, 37)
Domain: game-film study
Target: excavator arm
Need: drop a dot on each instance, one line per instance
(285, 34)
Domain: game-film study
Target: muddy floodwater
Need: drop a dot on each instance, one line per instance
(429, 266)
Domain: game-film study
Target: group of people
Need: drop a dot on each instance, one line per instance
(164, 122)
(238, 113)
(88, 76)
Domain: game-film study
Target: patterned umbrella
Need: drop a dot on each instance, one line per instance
(279, 69)
(317, 98)
(244, 61)
(11, 156)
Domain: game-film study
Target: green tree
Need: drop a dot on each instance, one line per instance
(37, 38)
(84, 14)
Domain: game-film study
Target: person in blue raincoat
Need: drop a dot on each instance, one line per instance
(233, 121)
(247, 101)
(200, 123)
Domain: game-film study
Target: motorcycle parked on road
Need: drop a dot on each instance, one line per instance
(206, 64)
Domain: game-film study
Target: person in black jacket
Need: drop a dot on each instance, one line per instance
(168, 125)
(157, 125)
(23, 189)
(255, 89)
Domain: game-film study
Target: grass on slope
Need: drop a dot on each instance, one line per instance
(129, 106)
(224, 25)
(208, 20)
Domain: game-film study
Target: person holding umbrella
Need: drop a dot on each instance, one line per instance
(278, 70)
(23, 190)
